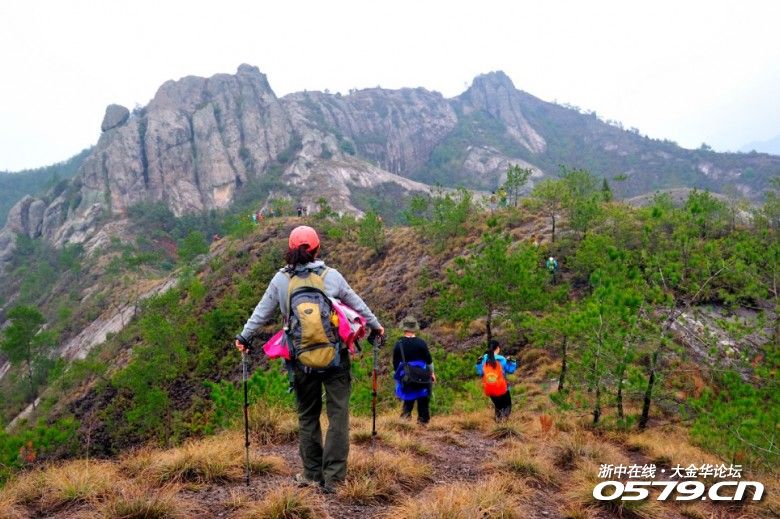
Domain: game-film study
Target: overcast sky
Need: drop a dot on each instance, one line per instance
(690, 71)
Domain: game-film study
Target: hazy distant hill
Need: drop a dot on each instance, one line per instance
(771, 146)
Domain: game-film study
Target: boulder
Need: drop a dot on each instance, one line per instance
(25, 217)
(116, 115)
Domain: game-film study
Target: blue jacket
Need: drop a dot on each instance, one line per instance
(507, 366)
(406, 393)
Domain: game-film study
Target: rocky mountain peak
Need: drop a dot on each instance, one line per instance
(202, 140)
(495, 80)
(190, 93)
(495, 94)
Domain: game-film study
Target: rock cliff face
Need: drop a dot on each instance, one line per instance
(496, 95)
(201, 140)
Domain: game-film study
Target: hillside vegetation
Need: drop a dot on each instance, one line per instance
(657, 341)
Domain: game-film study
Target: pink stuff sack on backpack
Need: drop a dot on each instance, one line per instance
(276, 347)
(352, 328)
(352, 325)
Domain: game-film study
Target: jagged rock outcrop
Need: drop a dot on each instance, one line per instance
(486, 161)
(116, 115)
(26, 217)
(495, 94)
(394, 129)
(197, 142)
(201, 140)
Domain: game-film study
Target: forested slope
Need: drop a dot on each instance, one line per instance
(661, 321)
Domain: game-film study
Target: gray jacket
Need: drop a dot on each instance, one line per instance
(276, 297)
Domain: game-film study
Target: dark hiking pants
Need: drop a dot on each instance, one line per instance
(503, 405)
(423, 409)
(326, 464)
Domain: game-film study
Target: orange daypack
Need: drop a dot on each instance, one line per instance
(493, 380)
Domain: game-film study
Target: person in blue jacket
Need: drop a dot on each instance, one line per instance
(503, 403)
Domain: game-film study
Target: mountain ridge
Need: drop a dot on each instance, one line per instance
(201, 141)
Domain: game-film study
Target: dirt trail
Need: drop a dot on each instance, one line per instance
(465, 449)
(455, 455)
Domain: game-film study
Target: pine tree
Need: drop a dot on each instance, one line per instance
(516, 179)
(606, 191)
(24, 345)
(492, 282)
(371, 232)
(550, 195)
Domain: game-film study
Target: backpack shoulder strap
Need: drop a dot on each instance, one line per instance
(314, 281)
(401, 343)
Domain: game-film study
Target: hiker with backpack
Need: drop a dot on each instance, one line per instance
(302, 292)
(552, 268)
(493, 369)
(414, 374)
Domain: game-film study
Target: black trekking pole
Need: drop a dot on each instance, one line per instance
(246, 415)
(376, 343)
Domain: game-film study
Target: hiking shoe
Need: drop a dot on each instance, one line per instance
(329, 488)
(406, 416)
(302, 481)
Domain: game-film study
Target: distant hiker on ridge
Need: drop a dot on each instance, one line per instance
(552, 268)
(414, 374)
(300, 291)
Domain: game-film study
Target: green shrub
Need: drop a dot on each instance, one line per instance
(26, 447)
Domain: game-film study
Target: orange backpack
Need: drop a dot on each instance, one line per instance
(493, 381)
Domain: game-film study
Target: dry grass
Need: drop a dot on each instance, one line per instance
(473, 421)
(287, 502)
(451, 439)
(532, 357)
(9, 508)
(408, 443)
(396, 424)
(505, 430)
(393, 432)
(133, 502)
(575, 511)
(494, 498)
(271, 424)
(24, 489)
(525, 460)
(579, 496)
(236, 500)
(360, 428)
(79, 482)
(216, 459)
(568, 450)
(668, 447)
(382, 476)
(565, 423)
(769, 506)
(694, 511)
(363, 436)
